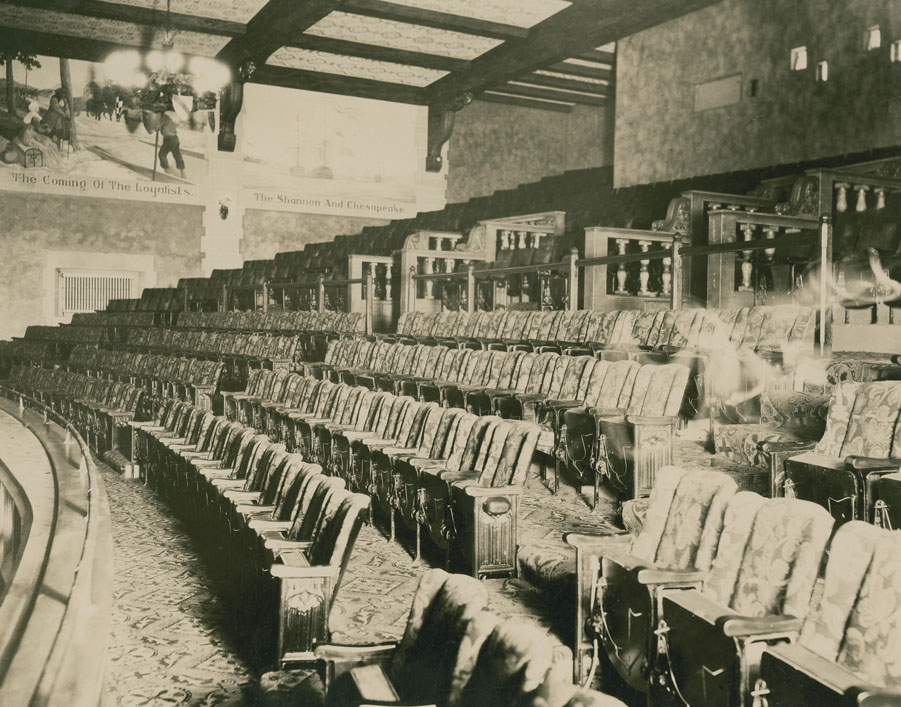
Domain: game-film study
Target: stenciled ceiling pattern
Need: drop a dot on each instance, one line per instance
(127, 33)
(323, 62)
(232, 10)
(520, 13)
(401, 35)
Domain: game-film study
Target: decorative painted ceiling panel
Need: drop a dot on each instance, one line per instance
(401, 35)
(309, 60)
(127, 33)
(233, 10)
(522, 13)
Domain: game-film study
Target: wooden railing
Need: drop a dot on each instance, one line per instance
(56, 609)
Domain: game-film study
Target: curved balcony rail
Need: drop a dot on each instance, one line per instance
(56, 595)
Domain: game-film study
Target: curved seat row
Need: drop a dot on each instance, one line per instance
(449, 472)
(637, 403)
(98, 407)
(282, 530)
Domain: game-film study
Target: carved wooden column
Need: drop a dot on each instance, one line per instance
(388, 275)
(441, 127)
(429, 269)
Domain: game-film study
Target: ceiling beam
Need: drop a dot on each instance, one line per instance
(523, 102)
(599, 56)
(601, 89)
(137, 15)
(589, 72)
(372, 51)
(56, 45)
(431, 18)
(335, 83)
(277, 24)
(551, 94)
(575, 30)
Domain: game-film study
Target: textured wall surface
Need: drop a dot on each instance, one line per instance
(269, 232)
(793, 118)
(30, 225)
(496, 146)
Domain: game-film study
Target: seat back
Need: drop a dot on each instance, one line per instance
(334, 543)
(658, 390)
(780, 561)
(511, 666)
(863, 419)
(685, 518)
(433, 659)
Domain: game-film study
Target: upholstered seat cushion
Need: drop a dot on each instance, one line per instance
(740, 442)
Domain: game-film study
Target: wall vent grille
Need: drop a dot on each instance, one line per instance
(87, 291)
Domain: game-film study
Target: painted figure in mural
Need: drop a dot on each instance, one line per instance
(169, 123)
(57, 118)
(33, 116)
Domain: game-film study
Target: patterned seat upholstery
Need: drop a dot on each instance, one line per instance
(684, 519)
(847, 644)
(759, 584)
(785, 416)
(433, 660)
(861, 442)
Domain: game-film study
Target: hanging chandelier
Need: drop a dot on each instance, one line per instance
(158, 74)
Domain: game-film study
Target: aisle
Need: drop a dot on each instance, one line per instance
(168, 645)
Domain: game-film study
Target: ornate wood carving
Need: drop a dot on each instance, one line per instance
(441, 127)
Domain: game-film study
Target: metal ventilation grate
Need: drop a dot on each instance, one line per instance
(87, 291)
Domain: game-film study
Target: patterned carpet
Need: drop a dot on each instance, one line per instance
(173, 641)
(169, 642)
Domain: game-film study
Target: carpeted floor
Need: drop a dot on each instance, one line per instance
(172, 641)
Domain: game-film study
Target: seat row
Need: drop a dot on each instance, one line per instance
(767, 330)
(282, 530)
(98, 408)
(313, 322)
(67, 334)
(454, 652)
(116, 319)
(160, 376)
(452, 474)
(24, 352)
(841, 451)
(729, 598)
(576, 400)
(274, 349)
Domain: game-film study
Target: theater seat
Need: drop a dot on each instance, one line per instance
(857, 447)
(846, 652)
(760, 585)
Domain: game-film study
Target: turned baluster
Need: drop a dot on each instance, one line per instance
(621, 273)
(841, 201)
(522, 239)
(769, 252)
(505, 240)
(666, 278)
(861, 190)
(880, 197)
(747, 266)
(644, 275)
(388, 277)
(429, 269)
(536, 239)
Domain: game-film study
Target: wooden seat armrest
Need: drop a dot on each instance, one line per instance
(264, 525)
(488, 491)
(229, 484)
(276, 541)
(304, 571)
(241, 497)
(671, 577)
(606, 412)
(337, 653)
(652, 420)
(776, 447)
(746, 626)
(592, 542)
(887, 464)
(560, 404)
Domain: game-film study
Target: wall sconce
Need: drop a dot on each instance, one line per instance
(223, 208)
